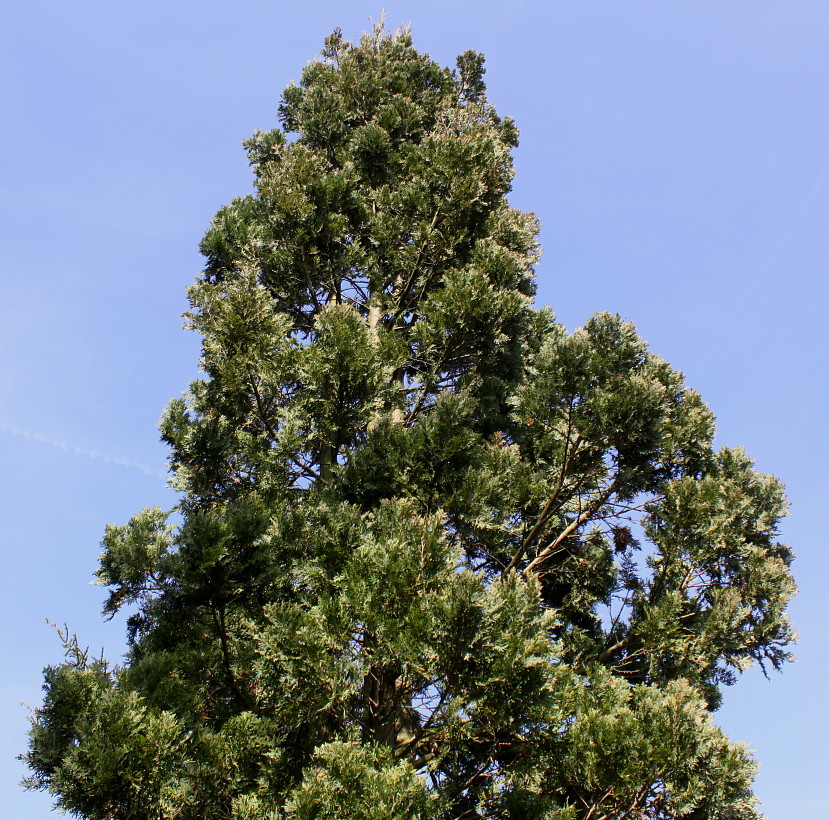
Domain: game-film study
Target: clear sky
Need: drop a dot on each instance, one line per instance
(677, 154)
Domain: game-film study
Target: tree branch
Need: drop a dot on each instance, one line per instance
(573, 526)
(550, 505)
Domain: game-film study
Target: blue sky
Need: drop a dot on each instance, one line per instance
(676, 153)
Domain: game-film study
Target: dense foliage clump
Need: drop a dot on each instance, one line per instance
(434, 556)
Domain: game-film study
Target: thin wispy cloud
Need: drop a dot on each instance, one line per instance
(78, 450)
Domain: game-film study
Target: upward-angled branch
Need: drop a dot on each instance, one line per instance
(263, 417)
(577, 522)
(401, 304)
(550, 506)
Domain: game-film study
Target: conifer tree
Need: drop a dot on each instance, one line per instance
(433, 556)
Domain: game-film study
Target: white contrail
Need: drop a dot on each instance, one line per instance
(795, 221)
(106, 458)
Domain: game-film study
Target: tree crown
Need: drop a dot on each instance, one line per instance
(434, 556)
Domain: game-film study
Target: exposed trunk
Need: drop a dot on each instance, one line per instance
(390, 719)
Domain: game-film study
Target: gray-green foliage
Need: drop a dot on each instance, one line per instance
(434, 557)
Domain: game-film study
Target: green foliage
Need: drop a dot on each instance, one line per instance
(352, 780)
(433, 556)
(99, 748)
